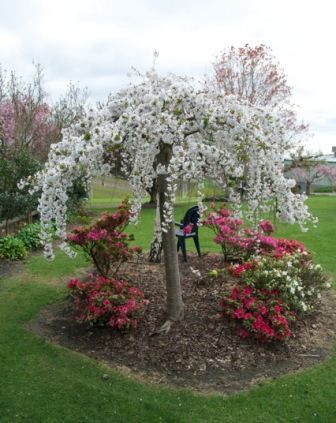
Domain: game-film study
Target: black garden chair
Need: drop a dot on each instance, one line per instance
(190, 218)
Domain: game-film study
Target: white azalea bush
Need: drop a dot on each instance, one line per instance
(169, 129)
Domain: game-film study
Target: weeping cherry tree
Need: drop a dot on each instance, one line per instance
(168, 129)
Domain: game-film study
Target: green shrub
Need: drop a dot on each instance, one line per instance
(12, 248)
(324, 188)
(30, 236)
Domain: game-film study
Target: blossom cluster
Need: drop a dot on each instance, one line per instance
(104, 242)
(107, 302)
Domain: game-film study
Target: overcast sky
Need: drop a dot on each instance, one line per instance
(97, 42)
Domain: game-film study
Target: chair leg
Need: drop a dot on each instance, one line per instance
(197, 245)
(182, 244)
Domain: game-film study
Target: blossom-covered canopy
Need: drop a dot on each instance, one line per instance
(210, 135)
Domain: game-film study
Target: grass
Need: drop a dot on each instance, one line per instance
(110, 191)
(41, 382)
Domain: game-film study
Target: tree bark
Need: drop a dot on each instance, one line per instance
(156, 244)
(153, 194)
(175, 306)
(308, 188)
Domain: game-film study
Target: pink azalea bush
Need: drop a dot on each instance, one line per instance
(105, 242)
(258, 313)
(239, 242)
(227, 229)
(107, 302)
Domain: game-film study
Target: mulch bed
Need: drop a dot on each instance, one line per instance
(203, 351)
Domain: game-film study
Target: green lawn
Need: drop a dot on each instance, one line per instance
(41, 382)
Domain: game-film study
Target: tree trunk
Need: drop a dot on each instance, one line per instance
(175, 306)
(308, 188)
(156, 244)
(153, 194)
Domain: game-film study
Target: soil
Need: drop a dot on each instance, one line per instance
(9, 268)
(202, 352)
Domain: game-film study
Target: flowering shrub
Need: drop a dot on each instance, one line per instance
(297, 280)
(227, 232)
(289, 246)
(273, 288)
(107, 302)
(237, 241)
(105, 242)
(259, 313)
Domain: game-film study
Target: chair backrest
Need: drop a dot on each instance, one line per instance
(191, 216)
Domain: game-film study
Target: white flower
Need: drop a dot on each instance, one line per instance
(196, 272)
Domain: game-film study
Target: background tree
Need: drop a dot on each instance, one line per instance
(28, 126)
(252, 74)
(309, 168)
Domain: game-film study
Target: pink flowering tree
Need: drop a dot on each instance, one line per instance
(28, 126)
(27, 121)
(314, 174)
(252, 74)
(168, 129)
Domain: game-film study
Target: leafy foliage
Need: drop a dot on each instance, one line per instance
(297, 280)
(30, 236)
(28, 126)
(12, 248)
(13, 167)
